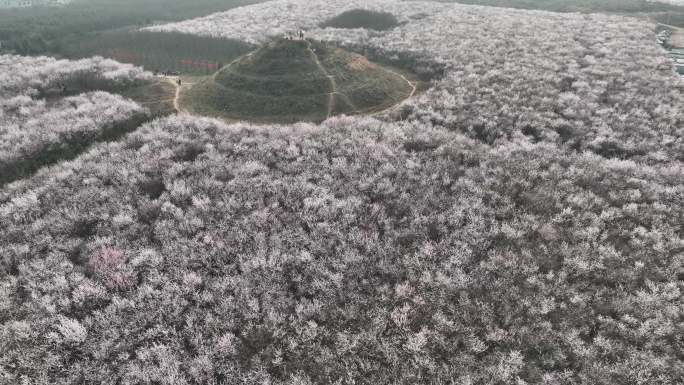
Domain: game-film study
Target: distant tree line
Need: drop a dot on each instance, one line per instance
(619, 6)
(160, 50)
(43, 29)
(660, 12)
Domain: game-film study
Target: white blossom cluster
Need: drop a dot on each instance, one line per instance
(31, 127)
(193, 251)
(591, 82)
(29, 75)
(35, 131)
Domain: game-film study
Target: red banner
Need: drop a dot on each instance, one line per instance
(199, 64)
(126, 55)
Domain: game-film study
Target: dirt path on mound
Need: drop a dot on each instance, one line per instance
(176, 98)
(414, 88)
(410, 83)
(331, 98)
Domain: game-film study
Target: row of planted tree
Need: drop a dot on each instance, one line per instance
(158, 50)
(160, 63)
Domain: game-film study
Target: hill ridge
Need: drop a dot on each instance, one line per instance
(332, 79)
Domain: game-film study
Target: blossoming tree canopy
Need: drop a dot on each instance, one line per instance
(23, 74)
(35, 132)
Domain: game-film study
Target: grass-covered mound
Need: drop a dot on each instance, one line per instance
(297, 80)
(362, 18)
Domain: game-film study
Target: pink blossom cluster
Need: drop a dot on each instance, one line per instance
(108, 263)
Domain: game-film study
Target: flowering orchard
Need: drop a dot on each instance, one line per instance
(260, 23)
(33, 131)
(590, 82)
(394, 253)
(518, 223)
(32, 75)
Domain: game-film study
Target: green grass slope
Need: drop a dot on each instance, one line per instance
(288, 81)
(363, 18)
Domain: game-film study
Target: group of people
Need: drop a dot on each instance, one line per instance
(62, 86)
(299, 34)
(167, 72)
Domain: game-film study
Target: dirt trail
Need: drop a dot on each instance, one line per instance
(176, 98)
(414, 88)
(410, 83)
(331, 98)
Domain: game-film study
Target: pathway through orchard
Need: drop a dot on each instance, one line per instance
(414, 88)
(174, 79)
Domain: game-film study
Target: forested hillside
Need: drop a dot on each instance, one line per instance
(34, 76)
(44, 29)
(520, 222)
(660, 11)
(606, 6)
(40, 126)
(575, 80)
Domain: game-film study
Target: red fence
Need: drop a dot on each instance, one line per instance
(199, 64)
(151, 60)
